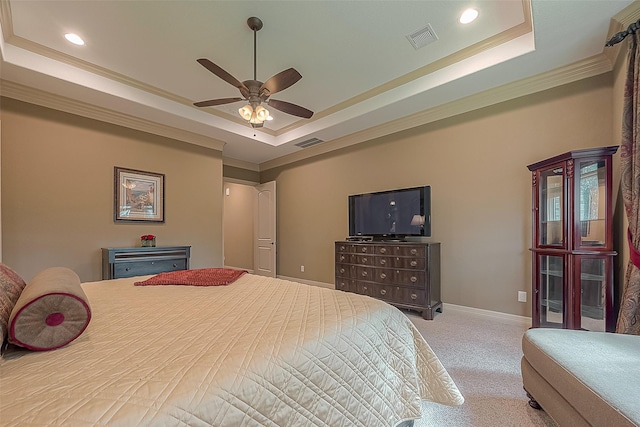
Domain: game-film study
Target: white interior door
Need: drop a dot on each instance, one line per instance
(264, 258)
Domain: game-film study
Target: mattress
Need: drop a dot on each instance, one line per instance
(260, 351)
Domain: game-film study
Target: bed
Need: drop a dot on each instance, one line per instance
(259, 351)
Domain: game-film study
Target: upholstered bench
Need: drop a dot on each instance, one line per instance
(583, 378)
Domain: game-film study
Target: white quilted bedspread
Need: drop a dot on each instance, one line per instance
(260, 351)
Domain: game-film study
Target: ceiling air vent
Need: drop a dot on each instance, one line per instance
(309, 142)
(422, 37)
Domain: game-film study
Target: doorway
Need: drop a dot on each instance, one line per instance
(249, 227)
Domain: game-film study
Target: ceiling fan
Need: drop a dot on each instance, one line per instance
(255, 92)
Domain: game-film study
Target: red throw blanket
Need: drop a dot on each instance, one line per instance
(198, 277)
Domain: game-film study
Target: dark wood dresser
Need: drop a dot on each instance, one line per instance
(405, 274)
(129, 262)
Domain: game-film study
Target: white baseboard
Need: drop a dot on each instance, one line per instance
(308, 282)
(249, 270)
(511, 318)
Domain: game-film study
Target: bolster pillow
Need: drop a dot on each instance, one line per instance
(52, 311)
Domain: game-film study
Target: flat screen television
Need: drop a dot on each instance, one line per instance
(391, 215)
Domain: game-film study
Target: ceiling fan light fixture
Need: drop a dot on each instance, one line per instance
(262, 113)
(246, 112)
(254, 116)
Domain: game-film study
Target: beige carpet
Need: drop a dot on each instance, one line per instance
(482, 354)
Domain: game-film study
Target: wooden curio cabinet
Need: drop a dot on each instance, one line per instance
(572, 246)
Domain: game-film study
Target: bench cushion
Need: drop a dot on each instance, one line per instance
(596, 372)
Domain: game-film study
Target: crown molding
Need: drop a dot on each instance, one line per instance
(589, 67)
(228, 161)
(620, 22)
(68, 105)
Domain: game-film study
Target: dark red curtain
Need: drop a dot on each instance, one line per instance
(629, 315)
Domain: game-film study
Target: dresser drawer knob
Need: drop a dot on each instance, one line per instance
(342, 270)
(152, 262)
(414, 296)
(364, 287)
(383, 262)
(342, 284)
(364, 260)
(383, 292)
(383, 276)
(342, 248)
(414, 263)
(364, 274)
(175, 265)
(414, 279)
(414, 251)
(127, 269)
(383, 250)
(364, 249)
(341, 257)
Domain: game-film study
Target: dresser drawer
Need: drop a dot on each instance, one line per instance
(397, 294)
(397, 277)
(346, 285)
(143, 268)
(344, 257)
(400, 262)
(409, 296)
(345, 270)
(401, 250)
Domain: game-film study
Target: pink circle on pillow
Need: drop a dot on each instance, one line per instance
(54, 319)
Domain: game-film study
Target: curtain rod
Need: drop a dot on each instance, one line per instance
(618, 37)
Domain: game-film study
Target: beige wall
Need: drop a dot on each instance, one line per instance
(239, 209)
(57, 191)
(481, 189)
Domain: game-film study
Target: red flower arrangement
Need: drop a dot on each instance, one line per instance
(147, 237)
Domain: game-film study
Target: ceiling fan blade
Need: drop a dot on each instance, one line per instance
(221, 73)
(289, 108)
(280, 81)
(212, 102)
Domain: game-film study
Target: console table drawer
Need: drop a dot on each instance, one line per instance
(144, 268)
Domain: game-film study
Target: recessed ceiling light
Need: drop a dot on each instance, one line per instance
(74, 38)
(468, 16)
(270, 118)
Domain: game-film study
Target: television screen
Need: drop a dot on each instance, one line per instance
(391, 214)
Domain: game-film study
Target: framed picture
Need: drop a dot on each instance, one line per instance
(138, 195)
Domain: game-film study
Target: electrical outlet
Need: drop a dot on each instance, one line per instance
(522, 296)
(302, 268)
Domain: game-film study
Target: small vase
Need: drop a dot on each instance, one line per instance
(151, 243)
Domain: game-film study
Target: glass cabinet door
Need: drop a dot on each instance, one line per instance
(593, 281)
(551, 207)
(592, 203)
(551, 290)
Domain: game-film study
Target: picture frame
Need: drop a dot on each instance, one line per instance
(138, 195)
